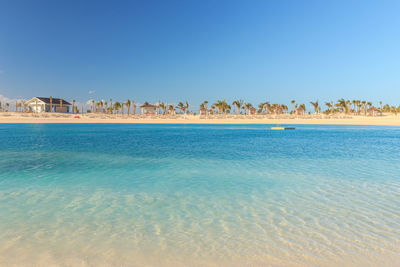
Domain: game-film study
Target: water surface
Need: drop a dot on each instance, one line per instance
(199, 195)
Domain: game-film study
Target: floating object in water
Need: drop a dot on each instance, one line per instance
(278, 127)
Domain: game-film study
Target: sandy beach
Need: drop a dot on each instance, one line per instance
(385, 120)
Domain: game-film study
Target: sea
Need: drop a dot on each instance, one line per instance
(199, 195)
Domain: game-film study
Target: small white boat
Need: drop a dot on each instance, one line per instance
(278, 127)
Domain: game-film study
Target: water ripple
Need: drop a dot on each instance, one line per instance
(125, 195)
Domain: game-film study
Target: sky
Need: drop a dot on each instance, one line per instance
(196, 50)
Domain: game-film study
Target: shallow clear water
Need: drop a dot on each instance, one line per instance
(199, 195)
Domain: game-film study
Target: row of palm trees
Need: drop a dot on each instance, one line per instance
(4, 107)
(222, 107)
(130, 107)
(354, 107)
(112, 107)
(341, 106)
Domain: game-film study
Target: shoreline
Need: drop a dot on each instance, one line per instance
(12, 117)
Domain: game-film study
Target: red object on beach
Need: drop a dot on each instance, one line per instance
(76, 117)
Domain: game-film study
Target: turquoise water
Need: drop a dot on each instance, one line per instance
(199, 195)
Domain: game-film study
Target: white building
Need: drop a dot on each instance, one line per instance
(43, 104)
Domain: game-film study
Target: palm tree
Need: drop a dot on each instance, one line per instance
(128, 105)
(203, 106)
(105, 107)
(354, 104)
(261, 108)
(217, 106)
(225, 107)
(369, 104)
(276, 108)
(51, 104)
(329, 106)
(393, 109)
(315, 104)
(212, 109)
(386, 108)
(364, 107)
(133, 103)
(341, 103)
(380, 102)
(222, 106)
(268, 107)
(348, 106)
(285, 108)
(293, 107)
(111, 105)
(117, 106)
(73, 106)
(248, 107)
(302, 107)
(162, 106)
(244, 109)
(186, 107)
(228, 109)
(181, 106)
(158, 107)
(205, 103)
(171, 109)
(237, 104)
(8, 105)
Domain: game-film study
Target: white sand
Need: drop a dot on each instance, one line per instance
(387, 119)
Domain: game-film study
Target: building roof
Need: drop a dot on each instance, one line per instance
(56, 101)
(148, 106)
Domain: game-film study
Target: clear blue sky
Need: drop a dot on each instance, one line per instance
(197, 49)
